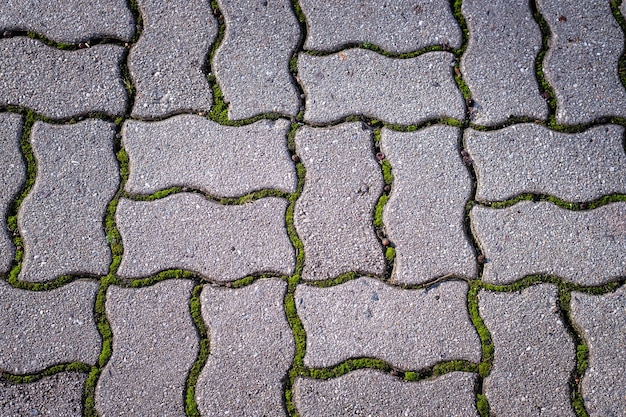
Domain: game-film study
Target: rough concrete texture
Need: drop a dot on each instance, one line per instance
(191, 151)
(504, 40)
(61, 84)
(167, 61)
(252, 63)
(424, 215)
(529, 158)
(358, 81)
(154, 346)
(12, 177)
(373, 393)
(533, 353)
(602, 321)
(69, 21)
(581, 63)
(59, 395)
(334, 214)
(251, 350)
(582, 247)
(409, 329)
(187, 231)
(393, 26)
(61, 219)
(41, 329)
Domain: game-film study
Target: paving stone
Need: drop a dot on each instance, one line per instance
(373, 393)
(533, 353)
(358, 81)
(221, 242)
(69, 21)
(251, 350)
(45, 328)
(499, 62)
(529, 158)
(582, 247)
(581, 63)
(602, 319)
(424, 214)
(154, 346)
(166, 63)
(393, 26)
(252, 63)
(410, 329)
(192, 151)
(12, 177)
(59, 395)
(334, 214)
(61, 84)
(61, 220)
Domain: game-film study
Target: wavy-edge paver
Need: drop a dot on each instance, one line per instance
(251, 350)
(192, 151)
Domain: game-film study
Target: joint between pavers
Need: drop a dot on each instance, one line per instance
(375, 48)
(621, 64)
(63, 46)
(191, 406)
(568, 205)
(78, 367)
(225, 201)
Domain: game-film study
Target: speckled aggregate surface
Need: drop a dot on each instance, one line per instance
(312, 208)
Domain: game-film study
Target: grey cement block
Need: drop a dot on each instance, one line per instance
(166, 63)
(45, 328)
(252, 63)
(187, 231)
(61, 219)
(59, 395)
(533, 353)
(602, 321)
(154, 346)
(70, 21)
(191, 151)
(393, 26)
(12, 177)
(334, 214)
(358, 81)
(409, 329)
(581, 63)
(582, 247)
(61, 84)
(529, 158)
(373, 393)
(424, 215)
(499, 62)
(251, 350)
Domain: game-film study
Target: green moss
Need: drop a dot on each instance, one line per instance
(411, 376)
(390, 254)
(453, 366)
(482, 405)
(195, 310)
(348, 366)
(568, 205)
(378, 211)
(544, 87)
(55, 369)
(487, 346)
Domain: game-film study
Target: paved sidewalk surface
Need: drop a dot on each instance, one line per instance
(312, 208)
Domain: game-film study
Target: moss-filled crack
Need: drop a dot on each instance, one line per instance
(568, 205)
(191, 407)
(63, 46)
(375, 48)
(79, 367)
(545, 89)
(227, 201)
(621, 63)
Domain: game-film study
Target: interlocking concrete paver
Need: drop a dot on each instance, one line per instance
(59, 395)
(187, 231)
(251, 350)
(69, 21)
(602, 319)
(499, 63)
(154, 346)
(529, 158)
(410, 329)
(424, 214)
(582, 247)
(369, 392)
(533, 353)
(192, 151)
(167, 61)
(41, 329)
(59, 83)
(12, 176)
(252, 63)
(358, 81)
(393, 26)
(61, 218)
(333, 216)
(581, 63)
